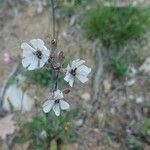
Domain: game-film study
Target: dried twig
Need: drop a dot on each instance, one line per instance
(98, 78)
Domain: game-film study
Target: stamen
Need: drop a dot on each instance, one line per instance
(57, 101)
(38, 53)
(73, 71)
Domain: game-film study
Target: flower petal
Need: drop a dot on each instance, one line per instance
(64, 105)
(71, 81)
(27, 49)
(82, 78)
(77, 63)
(58, 94)
(56, 109)
(47, 106)
(69, 78)
(45, 56)
(83, 70)
(37, 43)
(26, 62)
(34, 64)
(45, 51)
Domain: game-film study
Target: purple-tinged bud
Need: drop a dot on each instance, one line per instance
(61, 57)
(51, 58)
(54, 43)
(66, 91)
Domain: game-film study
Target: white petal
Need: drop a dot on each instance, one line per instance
(56, 109)
(64, 105)
(45, 51)
(69, 77)
(45, 56)
(58, 94)
(40, 44)
(77, 63)
(37, 43)
(27, 49)
(84, 70)
(82, 78)
(26, 62)
(47, 106)
(71, 81)
(68, 68)
(34, 64)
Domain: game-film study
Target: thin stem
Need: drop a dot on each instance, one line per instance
(59, 144)
(56, 82)
(53, 15)
(22, 101)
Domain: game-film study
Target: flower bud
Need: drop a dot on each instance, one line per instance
(54, 43)
(66, 91)
(61, 56)
(24, 87)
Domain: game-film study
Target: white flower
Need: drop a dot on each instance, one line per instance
(77, 69)
(35, 54)
(56, 103)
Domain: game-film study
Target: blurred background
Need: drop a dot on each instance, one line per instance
(111, 111)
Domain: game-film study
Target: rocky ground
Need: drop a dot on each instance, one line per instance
(120, 102)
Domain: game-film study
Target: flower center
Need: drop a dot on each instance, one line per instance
(73, 71)
(56, 101)
(38, 53)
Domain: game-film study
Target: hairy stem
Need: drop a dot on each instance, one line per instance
(53, 15)
(56, 81)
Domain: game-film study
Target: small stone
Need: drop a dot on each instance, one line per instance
(132, 72)
(139, 100)
(112, 110)
(145, 67)
(85, 96)
(107, 86)
(79, 122)
(13, 98)
(43, 134)
(130, 82)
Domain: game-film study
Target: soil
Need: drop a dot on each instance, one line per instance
(20, 22)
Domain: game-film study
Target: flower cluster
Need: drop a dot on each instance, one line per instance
(36, 56)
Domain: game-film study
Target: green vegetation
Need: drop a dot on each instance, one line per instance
(134, 144)
(143, 128)
(105, 140)
(118, 66)
(46, 128)
(115, 26)
(43, 76)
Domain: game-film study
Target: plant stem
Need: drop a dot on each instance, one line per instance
(59, 143)
(56, 81)
(53, 15)
(22, 101)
